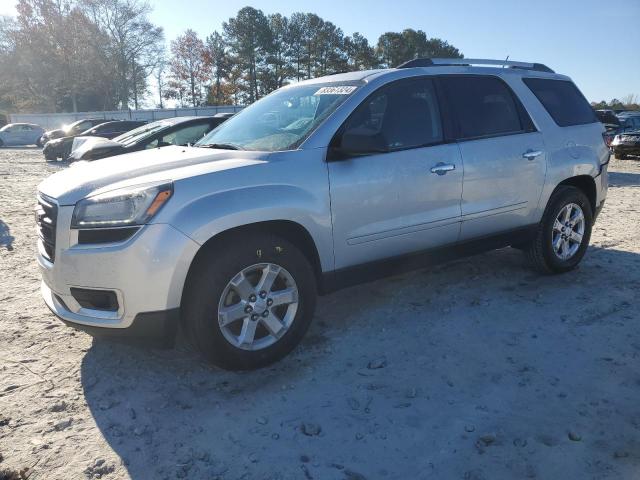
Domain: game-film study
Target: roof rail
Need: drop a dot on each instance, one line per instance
(443, 62)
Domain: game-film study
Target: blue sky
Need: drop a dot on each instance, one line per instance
(597, 43)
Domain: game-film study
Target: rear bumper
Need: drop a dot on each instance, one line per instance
(626, 149)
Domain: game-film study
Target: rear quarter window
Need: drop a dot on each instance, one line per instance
(562, 100)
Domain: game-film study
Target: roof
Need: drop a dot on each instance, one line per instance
(444, 66)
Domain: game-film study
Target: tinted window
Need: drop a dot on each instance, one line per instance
(402, 115)
(109, 127)
(182, 136)
(483, 106)
(562, 99)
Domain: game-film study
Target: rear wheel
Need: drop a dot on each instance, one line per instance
(563, 235)
(249, 301)
(622, 156)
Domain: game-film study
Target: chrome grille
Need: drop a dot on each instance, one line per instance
(46, 218)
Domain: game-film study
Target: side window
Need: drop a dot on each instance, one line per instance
(152, 144)
(184, 135)
(402, 115)
(562, 99)
(483, 106)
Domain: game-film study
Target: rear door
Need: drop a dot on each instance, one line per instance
(504, 156)
(403, 195)
(13, 135)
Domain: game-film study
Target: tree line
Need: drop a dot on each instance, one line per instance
(83, 55)
(255, 54)
(629, 102)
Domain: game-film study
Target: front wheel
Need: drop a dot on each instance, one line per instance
(563, 235)
(249, 300)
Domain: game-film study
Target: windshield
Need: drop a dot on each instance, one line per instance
(67, 128)
(282, 120)
(136, 134)
(6, 127)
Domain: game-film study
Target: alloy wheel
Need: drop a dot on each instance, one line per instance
(568, 231)
(258, 306)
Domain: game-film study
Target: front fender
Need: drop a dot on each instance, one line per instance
(208, 216)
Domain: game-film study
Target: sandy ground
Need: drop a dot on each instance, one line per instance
(479, 369)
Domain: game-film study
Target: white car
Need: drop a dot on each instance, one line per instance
(20, 134)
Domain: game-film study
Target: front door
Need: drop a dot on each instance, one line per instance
(395, 186)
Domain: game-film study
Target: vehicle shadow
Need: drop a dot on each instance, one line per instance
(6, 239)
(20, 147)
(623, 179)
(387, 369)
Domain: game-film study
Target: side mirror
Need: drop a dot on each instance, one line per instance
(358, 143)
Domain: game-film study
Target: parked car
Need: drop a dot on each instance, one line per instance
(608, 118)
(322, 184)
(625, 144)
(20, 134)
(62, 147)
(171, 131)
(626, 123)
(72, 129)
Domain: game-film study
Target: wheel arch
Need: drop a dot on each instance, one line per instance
(586, 184)
(288, 229)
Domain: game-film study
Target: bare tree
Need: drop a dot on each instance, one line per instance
(160, 78)
(135, 43)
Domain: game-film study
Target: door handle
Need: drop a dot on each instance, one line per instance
(531, 154)
(442, 168)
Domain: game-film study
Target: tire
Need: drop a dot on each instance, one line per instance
(541, 253)
(208, 288)
(622, 156)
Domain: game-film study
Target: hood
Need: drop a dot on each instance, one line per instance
(58, 132)
(78, 141)
(84, 144)
(160, 164)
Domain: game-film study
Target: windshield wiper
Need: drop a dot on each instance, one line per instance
(221, 146)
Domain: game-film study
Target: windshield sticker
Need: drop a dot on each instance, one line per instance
(342, 90)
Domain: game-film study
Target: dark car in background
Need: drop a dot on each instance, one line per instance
(74, 128)
(626, 122)
(608, 118)
(62, 147)
(170, 131)
(626, 143)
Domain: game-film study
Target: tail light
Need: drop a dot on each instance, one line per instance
(607, 138)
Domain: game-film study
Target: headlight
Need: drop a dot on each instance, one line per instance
(122, 207)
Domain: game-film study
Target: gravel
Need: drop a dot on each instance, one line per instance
(475, 369)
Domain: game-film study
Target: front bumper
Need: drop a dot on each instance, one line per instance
(52, 151)
(146, 272)
(157, 327)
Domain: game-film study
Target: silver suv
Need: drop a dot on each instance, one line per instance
(319, 185)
